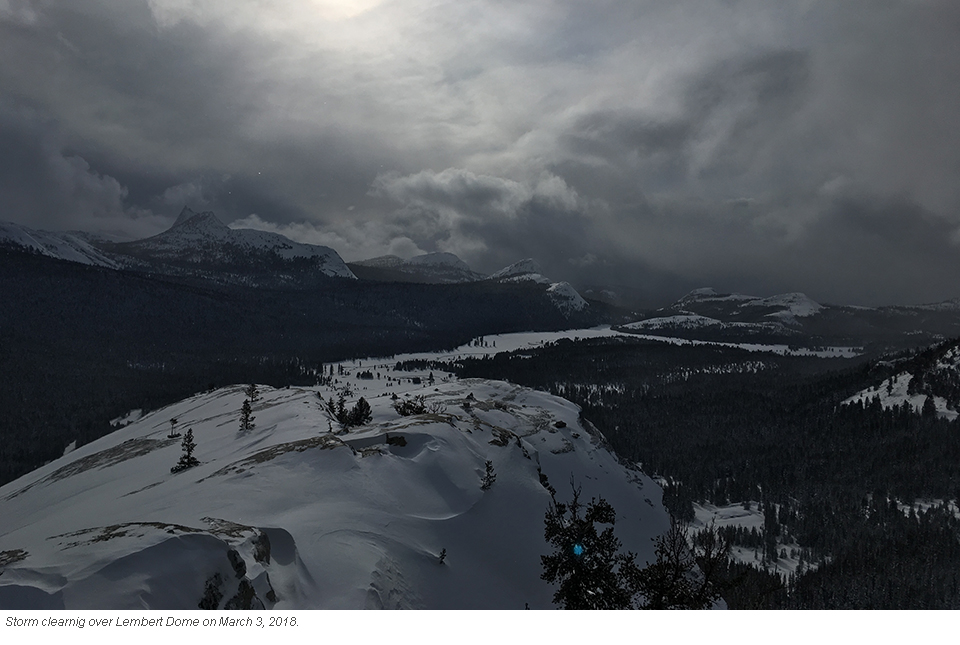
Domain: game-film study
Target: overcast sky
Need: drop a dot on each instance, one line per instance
(657, 146)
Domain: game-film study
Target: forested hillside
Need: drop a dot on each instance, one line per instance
(721, 425)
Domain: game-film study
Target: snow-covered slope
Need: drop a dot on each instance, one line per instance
(562, 294)
(62, 246)
(566, 297)
(786, 307)
(290, 514)
(791, 306)
(938, 381)
(733, 315)
(528, 267)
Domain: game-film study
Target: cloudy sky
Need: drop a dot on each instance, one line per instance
(656, 146)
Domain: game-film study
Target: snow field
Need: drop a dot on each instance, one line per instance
(352, 521)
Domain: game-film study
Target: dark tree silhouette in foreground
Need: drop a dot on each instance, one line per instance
(592, 573)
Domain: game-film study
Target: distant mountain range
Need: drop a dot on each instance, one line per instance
(200, 247)
(795, 318)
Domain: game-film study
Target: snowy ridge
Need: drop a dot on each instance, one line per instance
(895, 390)
(795, 305)
(291, 515)
(62, 246)
(523, 267)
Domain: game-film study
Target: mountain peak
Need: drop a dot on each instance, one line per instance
(184, 215)
(190, 220)
(522, 267)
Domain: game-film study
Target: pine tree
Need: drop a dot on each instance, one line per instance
(187, 460)
(586, 564)
(488, 476)
(359, 414)
(252, 392)
(246, 416)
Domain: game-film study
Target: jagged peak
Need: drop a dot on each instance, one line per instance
(184, 215)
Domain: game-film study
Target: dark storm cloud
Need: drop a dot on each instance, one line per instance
(750, 145)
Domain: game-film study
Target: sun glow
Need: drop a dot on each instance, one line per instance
(343, 9)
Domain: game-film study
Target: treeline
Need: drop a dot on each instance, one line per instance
(779, 434)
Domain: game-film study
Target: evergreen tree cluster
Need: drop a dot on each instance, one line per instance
(358, 415)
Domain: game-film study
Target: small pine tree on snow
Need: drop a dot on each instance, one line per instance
(359, 414)
(173, 430)
(443, 555)
(252, 392)
(187, 460)
(488, 476)
(246, 416)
